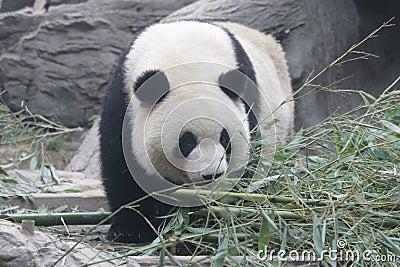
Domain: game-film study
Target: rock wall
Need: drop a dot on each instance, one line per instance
(20, 248)
(12, 5)
(58, 62)
(15, 5)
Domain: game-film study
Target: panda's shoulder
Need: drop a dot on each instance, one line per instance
(252, 35)
(261, 45)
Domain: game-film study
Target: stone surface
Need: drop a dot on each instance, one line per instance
(31, 181)
(34, 5)
(12, 5)
(86, 159)
(76, 190)
(20, 248)
(58, 62)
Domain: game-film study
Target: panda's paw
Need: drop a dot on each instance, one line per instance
(121, 234)
(118, 233)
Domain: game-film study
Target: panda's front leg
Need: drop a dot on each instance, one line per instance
(130, 226)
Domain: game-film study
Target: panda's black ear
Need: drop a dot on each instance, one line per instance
(151, 87)
(232, 83)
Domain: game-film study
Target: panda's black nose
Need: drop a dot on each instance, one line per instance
(211, 176)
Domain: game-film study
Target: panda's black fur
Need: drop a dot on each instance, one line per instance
(121, 189)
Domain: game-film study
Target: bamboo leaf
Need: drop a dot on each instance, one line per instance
(222, 252)
(60, 209)
(3, 172)
(318, 234)
(269, 220)
(173, 259)
(33, 163)
(161, 259)
(336, 139)
(297, 141)
(391, 126)
(390, 244)
(72, 191)
(53, 173)
(25, 179)
(9, 181)
(264, 235)
(199, 230)
(44, 175)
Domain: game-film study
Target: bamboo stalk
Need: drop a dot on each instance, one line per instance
(246, 196)
(48, 219)
(210, 237)
(221, 211)
(93, 218)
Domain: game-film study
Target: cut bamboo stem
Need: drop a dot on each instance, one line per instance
(222, 211)
(48, 219)
(260, 198)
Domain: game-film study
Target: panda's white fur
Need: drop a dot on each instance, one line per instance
(206, 50)
(163, 46)
(166, 120)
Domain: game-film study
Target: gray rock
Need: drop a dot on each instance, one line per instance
(20, 248)
(58, 62)
(12, 252)
(11, 5)
(14, 5)
(86, 159)
(64, 2)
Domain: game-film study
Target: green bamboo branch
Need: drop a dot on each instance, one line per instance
(222, 211)
(48, 219)
(259, 198)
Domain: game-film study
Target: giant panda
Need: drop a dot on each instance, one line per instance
(182, 106)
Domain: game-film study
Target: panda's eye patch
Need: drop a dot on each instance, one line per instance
(225, 141)
(187, 142)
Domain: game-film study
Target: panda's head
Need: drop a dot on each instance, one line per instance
(187, 119)
(191, 129)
